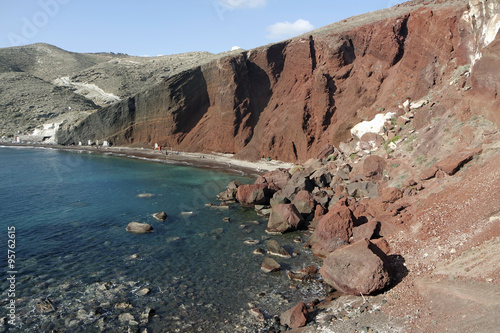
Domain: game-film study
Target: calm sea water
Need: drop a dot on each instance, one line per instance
(79, 270)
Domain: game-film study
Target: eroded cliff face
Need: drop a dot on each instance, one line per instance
(288, 100)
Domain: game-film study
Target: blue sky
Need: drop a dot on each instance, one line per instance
(167, 27)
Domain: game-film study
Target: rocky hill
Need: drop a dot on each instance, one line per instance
(290, 99)
(41, 83)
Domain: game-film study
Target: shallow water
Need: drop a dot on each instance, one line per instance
(79, 270)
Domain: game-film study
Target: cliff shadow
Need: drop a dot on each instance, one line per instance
(192, 100)
(259, 93)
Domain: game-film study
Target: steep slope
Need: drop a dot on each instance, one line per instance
(288, 100)
(93, 80)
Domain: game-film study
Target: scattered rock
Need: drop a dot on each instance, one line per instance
(295, 317)
(251, 242)
(309, 270)
(258, 251)
(145, 195)
(359, 268)
(139, 228)
(273, 248)
(255, 312)
(270, 265)
(126, 318)
(284, 217)
(45, 306)
(144, 291)
(161, 216)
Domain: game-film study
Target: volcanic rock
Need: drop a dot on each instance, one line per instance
(391, 194)
(284, 217)
(273, 248)
(325, 247)
(359, 268)
(254, 194)
(304, 203)
(337, 223)
(295, 317)
(454, 162)
(373, 167)
(139, 228)
(270, 265)
(366, 231)
(161, 216)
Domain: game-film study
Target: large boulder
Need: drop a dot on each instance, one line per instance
(336, 224)
(454, 162)
(295, 317)
(254, 194)
(373, 167)
(304, 202)
(284, 217)
(359, 268)
(139, 228)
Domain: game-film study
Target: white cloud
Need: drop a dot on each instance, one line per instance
(283, 30)
(235, 4)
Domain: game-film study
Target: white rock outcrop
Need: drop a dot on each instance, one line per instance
(376, 125)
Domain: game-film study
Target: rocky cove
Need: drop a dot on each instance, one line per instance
(386, 218)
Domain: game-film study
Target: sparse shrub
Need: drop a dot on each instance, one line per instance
(421, 159)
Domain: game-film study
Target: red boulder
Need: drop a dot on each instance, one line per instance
(295, 317)
(359, 268)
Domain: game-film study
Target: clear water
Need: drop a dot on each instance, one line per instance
(73, 254)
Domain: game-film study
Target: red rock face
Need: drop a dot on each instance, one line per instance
(288, 101)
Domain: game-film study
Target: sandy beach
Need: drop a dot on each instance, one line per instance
(223, 162)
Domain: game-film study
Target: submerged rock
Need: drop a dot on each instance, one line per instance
(145, 195)
(295, 317)
(273, 248)
(139, 228)
(161, 216)
(270, 265)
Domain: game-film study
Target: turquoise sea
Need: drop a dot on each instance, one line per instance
(78, 270)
